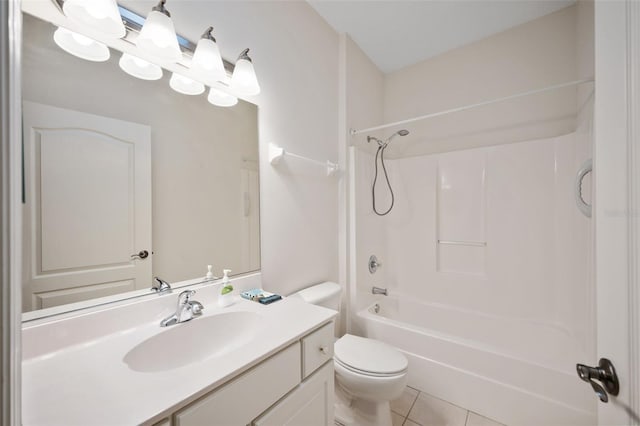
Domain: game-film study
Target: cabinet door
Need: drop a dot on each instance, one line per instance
(310, 404)
(317, 348)
(240, 401)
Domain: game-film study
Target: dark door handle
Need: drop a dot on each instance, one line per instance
(605, 374)
(140, 255)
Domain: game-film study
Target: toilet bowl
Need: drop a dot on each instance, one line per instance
(368, 373)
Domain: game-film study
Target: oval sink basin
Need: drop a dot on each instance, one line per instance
(193, 341)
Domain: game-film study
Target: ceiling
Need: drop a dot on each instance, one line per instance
(398, 33)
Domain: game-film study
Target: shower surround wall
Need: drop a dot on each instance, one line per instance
(485, 247)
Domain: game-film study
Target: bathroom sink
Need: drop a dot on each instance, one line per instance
(193, 341)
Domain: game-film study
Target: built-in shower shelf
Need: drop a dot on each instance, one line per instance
(463, 243)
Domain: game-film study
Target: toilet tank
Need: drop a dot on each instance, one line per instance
(325, 294)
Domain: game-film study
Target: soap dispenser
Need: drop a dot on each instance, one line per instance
(209, 276)
(226, 293)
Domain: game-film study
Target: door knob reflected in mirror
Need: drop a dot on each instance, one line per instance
(143, 254)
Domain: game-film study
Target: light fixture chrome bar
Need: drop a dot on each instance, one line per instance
(133, 22)
(476, 105)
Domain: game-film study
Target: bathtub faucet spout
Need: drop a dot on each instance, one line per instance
(378, 290)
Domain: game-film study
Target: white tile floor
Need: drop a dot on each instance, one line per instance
(415, 408)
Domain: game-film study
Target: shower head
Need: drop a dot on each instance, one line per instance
(402, 132)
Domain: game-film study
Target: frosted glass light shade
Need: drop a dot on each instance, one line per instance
(243, 80)
(158, 38)
(220, 98)
(100, 16)
(185, 85)
(139, 68)
(207, 61)
(80, 45)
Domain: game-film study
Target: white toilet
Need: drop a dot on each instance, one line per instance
(368, 373)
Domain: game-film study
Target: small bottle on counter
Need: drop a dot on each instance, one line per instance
(226, 292)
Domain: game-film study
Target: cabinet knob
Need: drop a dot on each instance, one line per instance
(324, 350)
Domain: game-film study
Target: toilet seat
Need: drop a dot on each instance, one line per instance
(369, 357)
(367, 373)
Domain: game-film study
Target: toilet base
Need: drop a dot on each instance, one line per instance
(359, 412)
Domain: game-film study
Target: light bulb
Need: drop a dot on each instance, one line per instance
(219, 98)
(185, 85)
(207, 62)
(100, 16)
(80, 45)
(158, 36)
(244, 80)
(139, 68)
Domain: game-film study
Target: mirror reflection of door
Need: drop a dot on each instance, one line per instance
(87, 206)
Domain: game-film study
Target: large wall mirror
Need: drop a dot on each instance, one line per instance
(116, 167)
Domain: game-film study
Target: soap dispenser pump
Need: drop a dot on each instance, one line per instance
(226, 294)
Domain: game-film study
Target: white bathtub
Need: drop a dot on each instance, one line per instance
(514, 371)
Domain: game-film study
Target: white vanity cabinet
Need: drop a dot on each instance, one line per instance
(292, 387)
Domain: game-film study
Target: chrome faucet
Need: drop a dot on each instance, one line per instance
(160, 286)
(187, 309)
(378, 290)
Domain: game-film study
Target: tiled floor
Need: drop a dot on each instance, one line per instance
(415, 408)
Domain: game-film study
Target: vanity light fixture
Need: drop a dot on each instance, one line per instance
(185, 85)
(96, 16)
(219, 98)
(158, 35)
(207, 62)
(156, 39)
(80, 45)
(139, 68)
(244, 80)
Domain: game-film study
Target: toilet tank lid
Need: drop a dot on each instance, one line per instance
(319, 293)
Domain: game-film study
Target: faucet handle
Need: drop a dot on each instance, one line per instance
(185, 296)
(160, 285)
(196, 308)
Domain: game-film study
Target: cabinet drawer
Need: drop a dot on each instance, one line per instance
(317, 348)
(244, 398)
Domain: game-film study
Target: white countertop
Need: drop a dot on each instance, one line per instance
(89, 384)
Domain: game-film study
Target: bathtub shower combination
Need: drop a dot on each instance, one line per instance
(487, 269)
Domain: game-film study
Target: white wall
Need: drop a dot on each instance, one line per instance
(364, 98)
(531, 56)
(295, 54)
